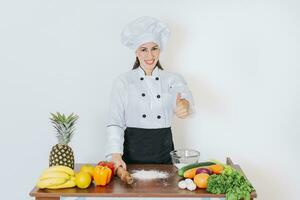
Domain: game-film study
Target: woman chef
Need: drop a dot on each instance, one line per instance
(144, 100)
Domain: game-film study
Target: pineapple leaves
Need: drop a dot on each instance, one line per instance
(64, 125)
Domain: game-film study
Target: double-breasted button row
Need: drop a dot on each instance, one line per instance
(143, 95)
(144, 116)
(156, 78)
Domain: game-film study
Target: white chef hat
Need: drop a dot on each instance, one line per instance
(145, 29)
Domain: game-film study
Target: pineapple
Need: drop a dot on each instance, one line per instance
(61, 153)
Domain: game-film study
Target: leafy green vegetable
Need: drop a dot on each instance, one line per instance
(231, 182)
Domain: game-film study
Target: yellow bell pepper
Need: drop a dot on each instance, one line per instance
(102, 175)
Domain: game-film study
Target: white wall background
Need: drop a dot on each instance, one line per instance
(240, 59)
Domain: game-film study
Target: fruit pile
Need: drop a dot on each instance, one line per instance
(60, 173)
(58, 177)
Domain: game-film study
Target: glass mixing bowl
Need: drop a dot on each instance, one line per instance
(183, 157)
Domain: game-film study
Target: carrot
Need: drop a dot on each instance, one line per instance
(190, 173)
(216, 169)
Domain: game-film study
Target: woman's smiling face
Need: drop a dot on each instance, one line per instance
(148, 55)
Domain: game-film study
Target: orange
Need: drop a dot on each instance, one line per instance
(201, 180)
(88, 169)
(83, 180)
(216, 169)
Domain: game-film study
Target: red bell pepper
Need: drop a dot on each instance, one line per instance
(110, 165)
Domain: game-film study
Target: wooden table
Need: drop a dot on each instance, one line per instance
(140, 188)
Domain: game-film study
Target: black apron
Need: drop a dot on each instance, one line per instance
(148, 146)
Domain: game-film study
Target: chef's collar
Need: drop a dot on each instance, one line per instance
(142, 73)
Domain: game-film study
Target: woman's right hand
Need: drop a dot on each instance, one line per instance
(117, 159)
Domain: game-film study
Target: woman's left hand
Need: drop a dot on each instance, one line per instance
(182, 107)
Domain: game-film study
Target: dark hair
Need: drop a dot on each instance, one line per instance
(137, 64)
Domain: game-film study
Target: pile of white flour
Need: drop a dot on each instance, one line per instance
(149, 174)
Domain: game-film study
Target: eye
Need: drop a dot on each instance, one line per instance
(143, 50)
(155, 49)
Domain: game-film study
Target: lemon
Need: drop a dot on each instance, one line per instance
(88, 169)
(83, 180)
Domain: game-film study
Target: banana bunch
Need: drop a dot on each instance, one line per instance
(57, 177)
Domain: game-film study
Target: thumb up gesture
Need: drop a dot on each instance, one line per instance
(182, 107)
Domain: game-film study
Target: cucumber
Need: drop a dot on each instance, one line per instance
(201, 164)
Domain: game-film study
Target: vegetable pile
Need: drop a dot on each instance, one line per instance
(216, 178)
(231, 182)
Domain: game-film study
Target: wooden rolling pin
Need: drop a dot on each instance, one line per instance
(124, 175)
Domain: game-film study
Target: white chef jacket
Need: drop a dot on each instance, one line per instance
(142, 101)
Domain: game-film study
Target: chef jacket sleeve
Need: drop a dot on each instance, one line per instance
(116, 119)
(180, 86)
